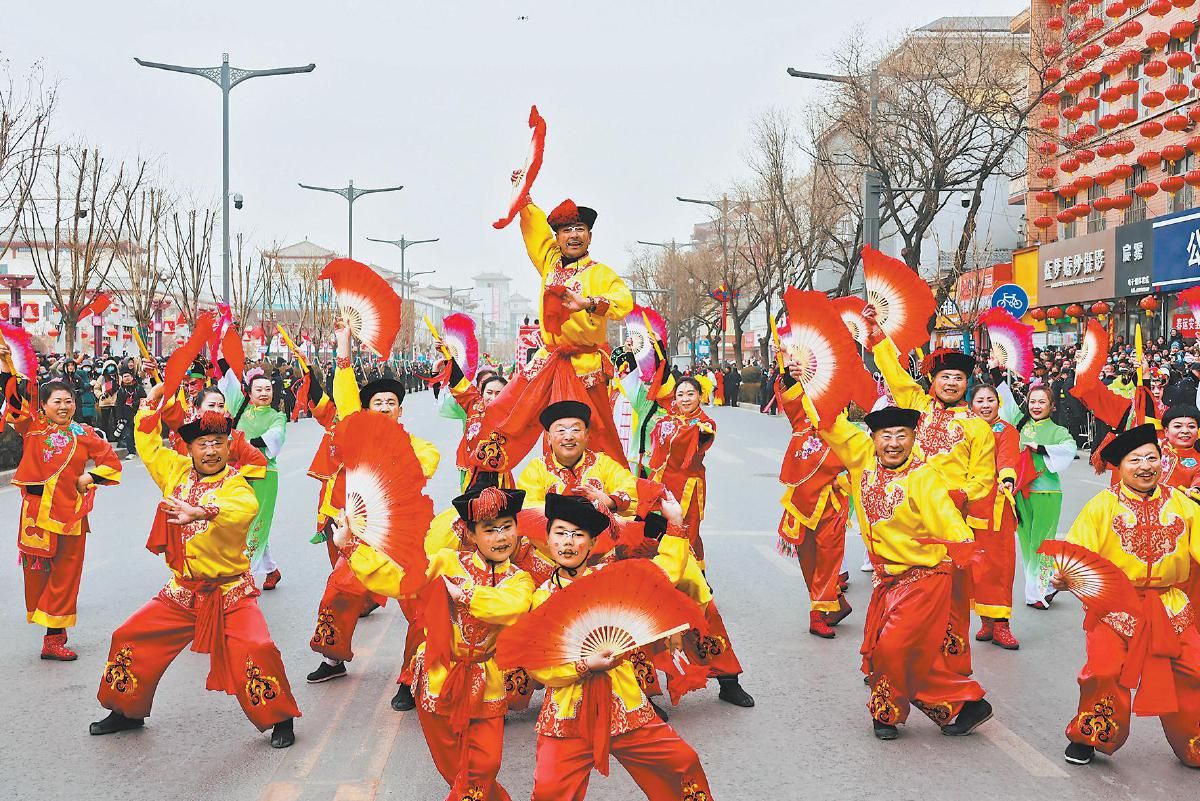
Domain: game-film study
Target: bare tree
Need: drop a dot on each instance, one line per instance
(189, 253)
(75, 236)
(139, 279)
(245, 285)
(24, 124)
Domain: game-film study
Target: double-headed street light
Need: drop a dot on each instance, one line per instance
(351, 194)
(225, 77)
(722, 206)
(404, 244)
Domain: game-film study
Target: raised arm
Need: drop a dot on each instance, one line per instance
(161, 463)
(907, 392)
(540, 243)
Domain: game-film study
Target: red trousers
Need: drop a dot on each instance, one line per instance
(662, 764)
(820, 551)
(713, 649)
(52, 587)
(469, 761)
(337, 614)
(903, 653)
(1103, 717)
(956, 645)
(145, 644)
(992, 575)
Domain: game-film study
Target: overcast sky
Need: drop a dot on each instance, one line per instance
(644, 101)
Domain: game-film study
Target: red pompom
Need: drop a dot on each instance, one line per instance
(564, 213)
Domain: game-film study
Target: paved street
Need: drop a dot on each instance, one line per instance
(809, 737)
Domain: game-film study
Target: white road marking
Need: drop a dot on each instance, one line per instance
(1033, 761)
(782, 564)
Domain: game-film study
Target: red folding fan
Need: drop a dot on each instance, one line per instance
(616, 609)
(23, 360)
(1098, 583)
(367, 302)
(1012, 341)
(1092, 354)
(458, 333)
(640, 324)
(902, 299)
(554, 313)
(833, 373)
(533, 165)
(178, 364)
(850, 310)
(385, 506)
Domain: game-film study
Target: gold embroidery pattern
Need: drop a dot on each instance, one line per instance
(516, 682)
(1098, 725)
(473, 794)
(711, 646)
(259, 688)
(1194, 749)
(952, 644)
(490, 451)
(326, 633)
(118, 674)
(1121, 622)
(939, 713)
(692, 792)
(643, 668)
(881, 706)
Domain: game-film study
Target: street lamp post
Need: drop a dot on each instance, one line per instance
(451, 291)
(159, 307)
(225, 77)
(722, 206)
(404, 244)
(351, 194)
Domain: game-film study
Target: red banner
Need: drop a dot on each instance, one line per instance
(1184, 323)
(32, 312)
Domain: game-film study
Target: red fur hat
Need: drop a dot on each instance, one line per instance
(208, 422)
(567, 213)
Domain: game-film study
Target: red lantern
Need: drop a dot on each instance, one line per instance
(1183, 29)
(1115, 10)
(1073, 86)
(1086, 156)
(1155, 69)
(1046, 173)
(1076, 63)
(1084, 182)
(1146, 190)
(1045, 197)
(1052, 74)
(52, 333)
(1128, 86)
(1125, 147)
(1065, 217)
(1114, 38)
(1085, 132)
(1150, 129)
(1172, 183)
(1043, 222)
(1194, 113)
(1089, 103)
(1072, 113)
(1048, 123)
(1176, 123)
(1047, 148)
(1111, 67)
(1177, 92)
(83, 334)
(1091, 77)
(1068, 191)
(1153, 99)
(1127, 115)
(1055, 23)
(1075, 310)
(179, 340)
(112, 332)
(1182, 3)
(1180, 59)
(1102, 204)
(1107, 150)
(1081, 209)
(1053, 313)
(1052, 50)
(1122, 171)
(1038, 314)
(1131, 29)
(1093, 24)
(1051, 98)
(1149, 159)
(1157, 40)
(1069, 165)
(1107, 122)
(1149, 304)
(1173, 153)
(1192, 178)
(127, 335)
(1122, 202)
(1100, 308)
(1160, 8)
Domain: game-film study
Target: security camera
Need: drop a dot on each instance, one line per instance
(237, 200)
(965, 200)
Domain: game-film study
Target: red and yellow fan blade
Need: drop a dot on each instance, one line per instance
(530, 170)
(178, 364)
(232, 351)
(618, 608)
(367, 302)
(385, 505)
(833, 372)
(21, 354)
(850, 310)
(1092, 354)
(458, 334)
(1012, 341)
(1098, 583)
(903, 301)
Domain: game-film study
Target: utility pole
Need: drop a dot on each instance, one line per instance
(722, 206)
(350, 194)
(672, 250)
(225, 77)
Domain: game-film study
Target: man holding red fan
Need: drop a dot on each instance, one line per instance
(1151, 533)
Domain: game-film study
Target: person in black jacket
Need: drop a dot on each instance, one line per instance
(130, 394)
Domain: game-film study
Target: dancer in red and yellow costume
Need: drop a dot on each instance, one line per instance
(210, 601)
(579, 298)
(816, 504)
(57, 492)
(955, 442)
(477, 463)
(249, 461)
(470, 595)
(1151, 532)
(900, 500)
(992, 574)
(680, 440)
(343, 600)
(656, 757)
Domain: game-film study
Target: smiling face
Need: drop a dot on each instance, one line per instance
(212, 401)
(261, 391)
(1040, 404)
(59, 408)
(210, 453)
(386, 403)
(949, 386)
(893, 445)
(1181, 432)
(569, 545)
(568, 440)
(491, 390)
(687, 398)
(986, 404)
(1141, 468)
(574, 240)
(495, 539)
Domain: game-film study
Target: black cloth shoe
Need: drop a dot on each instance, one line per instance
(403, 700)
(369, 607)
(115, 722)
(658, 710)
(282, 735)
(326, 671)
(1079, 754)
(884, 731)
(732, 692)
(972, 714)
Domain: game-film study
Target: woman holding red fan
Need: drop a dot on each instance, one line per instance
(1151, 532)
(680, 440)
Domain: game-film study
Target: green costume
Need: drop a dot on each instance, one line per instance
(265, 429)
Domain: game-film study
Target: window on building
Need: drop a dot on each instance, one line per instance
(1103, 107)
(1137, 210)
(1068, 230)
(1095, 220)
(1184, 198)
